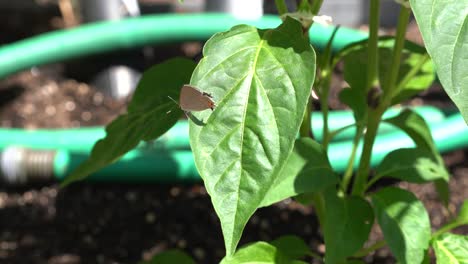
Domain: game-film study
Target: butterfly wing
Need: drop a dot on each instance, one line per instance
(192, 99)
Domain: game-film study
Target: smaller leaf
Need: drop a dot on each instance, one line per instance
(463, 215)
(404, 222)
(347, 226)
(415, 126)
(451, 248)
(443, 190)
(170, 257)
(306, 170)
(415, 165)
(150, 114)
(258, 252)
(292, 246)
(356, 100)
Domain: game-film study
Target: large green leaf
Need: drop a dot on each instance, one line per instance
(416, 165)
(444, 27)
(404, 222)
(347, 226)
(416, 127)
(262, 253)
(150, 114)
(170, 257)
(450, 248)
(261, 81)
(306, 170)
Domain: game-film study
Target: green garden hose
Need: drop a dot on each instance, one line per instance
(179, 166)
(95, 38)
(170, 159)
(81, 140)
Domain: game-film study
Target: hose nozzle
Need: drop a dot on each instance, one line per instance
(21, 165)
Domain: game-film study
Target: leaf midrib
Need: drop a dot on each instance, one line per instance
(242, 130)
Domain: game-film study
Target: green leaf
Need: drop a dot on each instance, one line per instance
(347, 225)
(356, 100)
(261, 81)
(170, 257)
(150, 114)
(416, 127)
(355, 261)
(451, 248)
(443, 190)
(463, 215)
(416, 165)
(404, 222)
(259, 253)
(291, 246)
(306, 170)
(444, 27)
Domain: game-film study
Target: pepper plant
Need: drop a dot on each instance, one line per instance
(256, 148)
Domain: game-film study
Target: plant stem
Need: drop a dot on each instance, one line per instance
(326, 66)
(325, 89)
(306, 127)
(350, 167)
(412, 73)
(446, 228)
(375, 115)
(372, 59)
(316, 7)
(281, 7)
(365, 251)
(373, 121)
(391, 80)
(372, 181)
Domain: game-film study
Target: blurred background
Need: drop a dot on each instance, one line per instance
(63, 77)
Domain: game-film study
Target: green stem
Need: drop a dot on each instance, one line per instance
(316, 7)
(350, 167)
(447, 228)
(372, 181)
(373, 121)
(326, 65)
(306, 127)
(365, 251)
(412, 73)
(372, 59)
(325, 89)
(375, 115)
(391, 80)
(334, 133)
(281, 7)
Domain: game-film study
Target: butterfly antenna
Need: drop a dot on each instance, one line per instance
(173, 100)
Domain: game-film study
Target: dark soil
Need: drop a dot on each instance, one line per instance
(117, 223)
